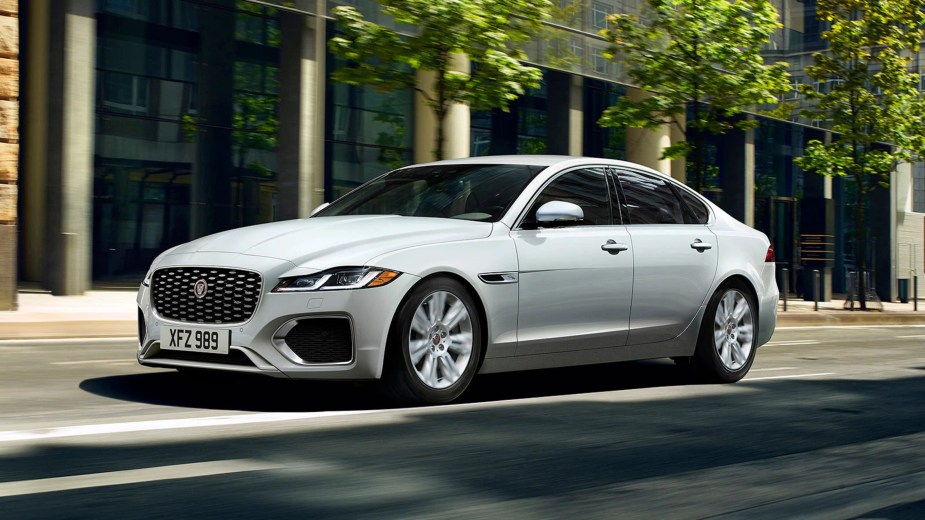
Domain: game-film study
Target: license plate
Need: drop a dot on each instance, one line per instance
(189, 339)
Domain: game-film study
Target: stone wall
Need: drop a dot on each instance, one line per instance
(9, 148)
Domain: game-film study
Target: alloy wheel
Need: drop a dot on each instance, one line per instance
(733, 330)
(440, 339)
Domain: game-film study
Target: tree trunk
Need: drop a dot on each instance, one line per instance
(438, 151)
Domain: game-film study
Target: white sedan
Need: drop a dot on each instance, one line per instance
(432, 273)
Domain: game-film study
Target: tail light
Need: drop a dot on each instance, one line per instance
(769, 256)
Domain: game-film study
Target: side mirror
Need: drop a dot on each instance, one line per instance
(319, 208)
(559, 212)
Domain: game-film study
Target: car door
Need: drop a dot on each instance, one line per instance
(575, 281)
(675, 255)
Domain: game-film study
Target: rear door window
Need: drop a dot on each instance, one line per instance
(649, 199)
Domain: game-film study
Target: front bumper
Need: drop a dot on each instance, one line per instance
(255, 344)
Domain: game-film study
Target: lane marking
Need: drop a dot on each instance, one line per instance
(168, 424)
(814, 327)
(133, 476)
(772, 369)
(88, 361)
(916, 336)
(53, 342)
(797, 376)
(792, 342)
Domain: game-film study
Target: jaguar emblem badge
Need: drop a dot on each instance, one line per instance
(200, 288)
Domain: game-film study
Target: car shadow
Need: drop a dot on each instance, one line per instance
(254, 393)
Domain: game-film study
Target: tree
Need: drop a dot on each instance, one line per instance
(481, 30)
(864, 91)
(702, 55)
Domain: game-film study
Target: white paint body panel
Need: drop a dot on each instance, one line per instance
(573, 295)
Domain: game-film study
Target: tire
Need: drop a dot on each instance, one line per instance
(726, 344)
(435, 344)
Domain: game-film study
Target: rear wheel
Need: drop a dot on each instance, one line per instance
(436, 343)
(726, 345)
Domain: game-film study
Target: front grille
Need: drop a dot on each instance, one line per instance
(231, 295)
(321, 340)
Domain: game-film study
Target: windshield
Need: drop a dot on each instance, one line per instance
(480, 192)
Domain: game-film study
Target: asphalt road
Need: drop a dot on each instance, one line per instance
(830, 423)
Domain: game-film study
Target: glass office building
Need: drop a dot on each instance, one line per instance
(210, 114)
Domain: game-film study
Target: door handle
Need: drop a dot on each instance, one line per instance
(701, 246)
(613, 247)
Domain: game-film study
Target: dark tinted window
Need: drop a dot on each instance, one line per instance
(586, 187)
(697, 212)
(650, 200)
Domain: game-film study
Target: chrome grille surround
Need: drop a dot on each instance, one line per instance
(231, 294)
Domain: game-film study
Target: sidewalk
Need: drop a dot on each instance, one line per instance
(96, 314)
(801, 314)
(112, 313)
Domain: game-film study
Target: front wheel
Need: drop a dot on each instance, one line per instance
(435, 343)
(726, 345)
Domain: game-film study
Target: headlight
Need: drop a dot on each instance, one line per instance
(340, 278)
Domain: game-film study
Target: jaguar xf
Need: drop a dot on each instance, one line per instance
(433, 273)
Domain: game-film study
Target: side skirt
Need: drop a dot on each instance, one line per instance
(683, 345)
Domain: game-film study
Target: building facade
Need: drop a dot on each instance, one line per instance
(147, 123)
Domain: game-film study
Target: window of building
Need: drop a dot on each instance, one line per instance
(599, 63)
(367, 133)
(599, 13)
(918, 187)
(186, 133)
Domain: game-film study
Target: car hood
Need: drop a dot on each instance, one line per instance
(325, 242)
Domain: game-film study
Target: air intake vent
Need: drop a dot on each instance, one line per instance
(321, 340)
(205, 294)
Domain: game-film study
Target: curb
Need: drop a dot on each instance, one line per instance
(818, 319)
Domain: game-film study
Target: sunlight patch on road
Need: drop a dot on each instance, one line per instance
(168, 424)
(794, 376)
(133, 476)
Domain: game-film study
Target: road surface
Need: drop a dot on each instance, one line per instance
(830, 423)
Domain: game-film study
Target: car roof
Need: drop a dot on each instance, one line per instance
(529, 160)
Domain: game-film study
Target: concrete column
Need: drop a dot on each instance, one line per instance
(737, 167)
(35, 141)
(645, 146)
(9, 149)
(455, 125)
(69, 181)
(301, 111)
(565, 113)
